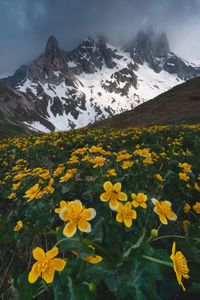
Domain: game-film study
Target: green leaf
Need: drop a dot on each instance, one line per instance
(82, 249)
(80, 291)
(57, 288)
(195, 288)
(96, 234)
(103, 272)
(65, 189)
(135, 246)
(25, 288)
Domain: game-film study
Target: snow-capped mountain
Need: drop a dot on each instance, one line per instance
(97, 80)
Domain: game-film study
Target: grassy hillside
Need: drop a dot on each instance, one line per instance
(134, 227)
(179, 105)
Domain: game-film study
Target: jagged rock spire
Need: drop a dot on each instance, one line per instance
(161, 45)
(52, 47)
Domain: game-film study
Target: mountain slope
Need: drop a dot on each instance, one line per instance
(179, 105)
(96, 80)
(16, 108)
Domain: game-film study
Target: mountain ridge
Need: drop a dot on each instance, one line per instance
(71, 89)
(179, 105)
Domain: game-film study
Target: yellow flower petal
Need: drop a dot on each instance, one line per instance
(119, 218)
(143, 205)
(114, 204)
(154, 200)
(63, 214)
(122, 196)
(163, 219)
(135, 203)
(38, 254)
(107, 186)
(93, 260)
(128, 222)
(89, 214)
(78, 202)
(172, 217)
(117, 187)
(48, 276)
(59, 264)
(105, 197)
(70, 229)
(52, 253)
(84, 226)
(34, 273)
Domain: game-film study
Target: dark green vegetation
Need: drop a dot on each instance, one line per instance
(134, 264)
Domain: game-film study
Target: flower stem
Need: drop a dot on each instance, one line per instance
(66, 239)
(174, 236)
(191, 212)
(80, 270)
(159, 261)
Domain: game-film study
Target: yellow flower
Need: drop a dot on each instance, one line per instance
(186, 208)
(186, 167)
(70, 173)
(196, 207)
(98, 161)
(19, 226)
(139, 200)
(183, 176)
(163, 209)
(48, 190)
(32, 192)
(126, 214)
(58, 171)
(63, 204)
(46, 265)
(185, 223)
(73, 159)
(113, 194)
(95, 149)
(86, 158)
(66, 177)
(197, 187)
(158, 177)
(77, 216)
(12, 195)
(91, 259)
(15, 186)
(110, 172)
(127, 164)
(123, 156)
(180, 265)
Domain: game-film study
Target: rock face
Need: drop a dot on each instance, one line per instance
(17, 78)
(17, 108)
(95, 80)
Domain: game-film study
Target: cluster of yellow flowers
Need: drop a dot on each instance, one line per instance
(125, 212)
(100, 155)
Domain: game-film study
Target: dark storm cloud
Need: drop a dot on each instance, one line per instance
(26, 24)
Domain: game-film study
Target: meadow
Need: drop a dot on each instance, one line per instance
(101, 214)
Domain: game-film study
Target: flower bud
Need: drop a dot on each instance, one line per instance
(154, 233)
(92, 287)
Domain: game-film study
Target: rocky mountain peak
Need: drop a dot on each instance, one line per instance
(147, 46)
(161, 45)
(52, 47)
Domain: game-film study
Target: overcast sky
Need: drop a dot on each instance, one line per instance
(25, 25)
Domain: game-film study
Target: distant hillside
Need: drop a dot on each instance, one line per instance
(179, 105)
